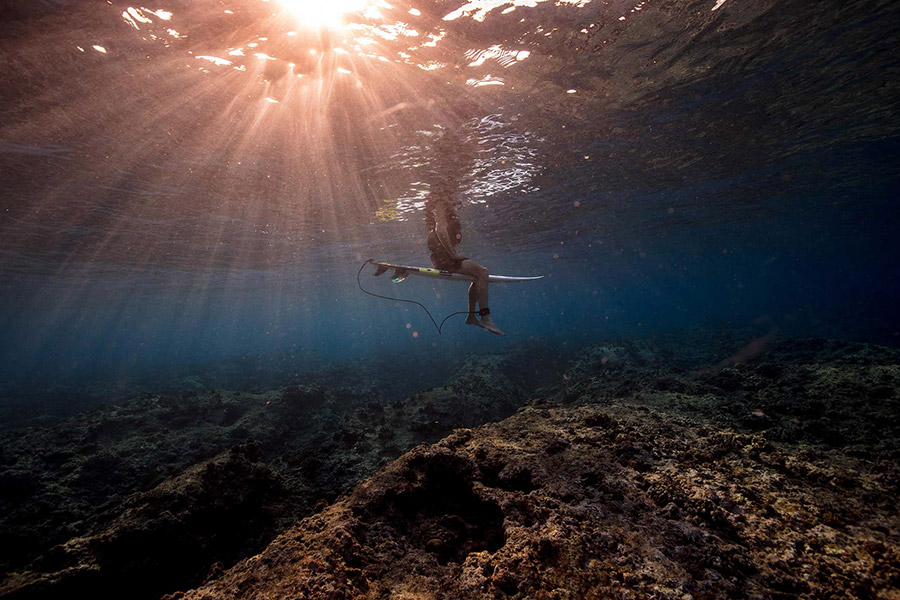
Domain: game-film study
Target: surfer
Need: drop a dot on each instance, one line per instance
(444, 234)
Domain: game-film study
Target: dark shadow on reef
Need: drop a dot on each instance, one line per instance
(709, 464)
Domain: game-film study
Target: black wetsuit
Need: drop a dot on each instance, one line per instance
(441, 257)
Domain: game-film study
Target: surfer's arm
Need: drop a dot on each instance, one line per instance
(448, 245)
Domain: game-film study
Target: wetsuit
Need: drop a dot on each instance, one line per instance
(441, 256)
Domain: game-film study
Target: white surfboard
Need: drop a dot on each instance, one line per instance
(401, 272)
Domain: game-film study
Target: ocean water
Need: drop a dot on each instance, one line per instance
(196, 183)
(699, 399)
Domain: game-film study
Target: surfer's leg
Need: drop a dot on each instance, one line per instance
(478, 293)
(471, 319)
(473, 269)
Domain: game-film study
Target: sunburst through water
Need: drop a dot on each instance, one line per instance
(207, 150)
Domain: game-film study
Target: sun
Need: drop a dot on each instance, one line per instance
(321, 13)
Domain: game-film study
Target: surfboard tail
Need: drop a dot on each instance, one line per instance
(400, 273)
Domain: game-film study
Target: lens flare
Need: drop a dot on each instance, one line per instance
(317, 14)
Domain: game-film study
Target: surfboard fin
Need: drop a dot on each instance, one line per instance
(400, 275)
(379, 270)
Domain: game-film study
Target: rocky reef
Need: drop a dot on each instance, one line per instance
(702, 465)
(146, 495)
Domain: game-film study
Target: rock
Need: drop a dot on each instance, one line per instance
(425, 522)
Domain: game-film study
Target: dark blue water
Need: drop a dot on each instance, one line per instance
(186, 186)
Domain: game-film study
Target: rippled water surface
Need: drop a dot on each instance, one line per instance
(196, 180)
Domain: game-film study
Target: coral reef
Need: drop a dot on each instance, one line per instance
(681, 466)
(711, 491)
(85, 502)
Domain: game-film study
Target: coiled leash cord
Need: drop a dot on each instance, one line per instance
(482, 312)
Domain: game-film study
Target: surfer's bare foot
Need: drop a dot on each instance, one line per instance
(489, 325)
(472, 320)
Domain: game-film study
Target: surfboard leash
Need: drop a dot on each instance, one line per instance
(427, 312)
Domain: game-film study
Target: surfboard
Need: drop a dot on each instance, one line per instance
(401, 272)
